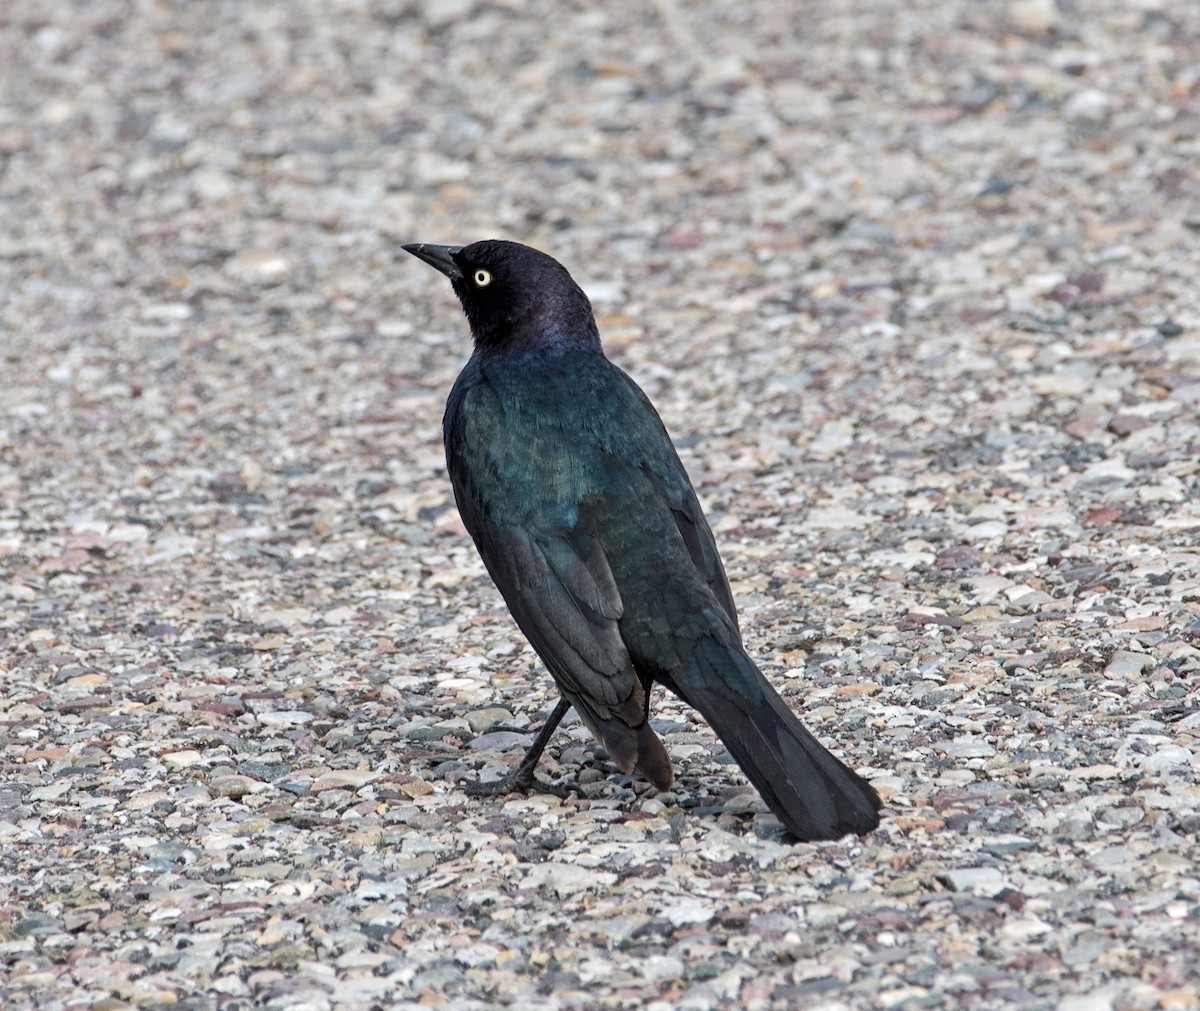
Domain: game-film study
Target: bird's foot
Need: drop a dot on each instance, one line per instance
(520, 781)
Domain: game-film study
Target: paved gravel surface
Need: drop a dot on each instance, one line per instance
(914, 286)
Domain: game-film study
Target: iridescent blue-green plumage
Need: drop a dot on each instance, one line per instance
(588, 524)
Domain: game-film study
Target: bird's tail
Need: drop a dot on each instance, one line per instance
(809, 790)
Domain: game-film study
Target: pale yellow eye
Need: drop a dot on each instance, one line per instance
(482, 278)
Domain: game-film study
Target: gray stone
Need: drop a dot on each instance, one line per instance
(482, 720)
(501, 740)
(1127, 664)
(981, 880)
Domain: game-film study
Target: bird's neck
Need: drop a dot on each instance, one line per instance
(539, 337)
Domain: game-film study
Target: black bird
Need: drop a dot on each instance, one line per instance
(586, 520)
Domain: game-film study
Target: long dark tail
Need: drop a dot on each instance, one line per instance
(808, 789)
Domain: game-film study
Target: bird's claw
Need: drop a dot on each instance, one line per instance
(518, 782)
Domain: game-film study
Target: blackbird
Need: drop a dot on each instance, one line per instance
(587, 523)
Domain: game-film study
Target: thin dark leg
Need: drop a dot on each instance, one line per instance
(522, 779)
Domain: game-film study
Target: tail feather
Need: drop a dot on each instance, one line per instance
(652, 760)
(630, 741)
(806, 787)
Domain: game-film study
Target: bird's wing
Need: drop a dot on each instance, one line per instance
(547, 564)
(703, 549)
(560, 591)
(674, 486)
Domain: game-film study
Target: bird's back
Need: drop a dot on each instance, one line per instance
(555, 440)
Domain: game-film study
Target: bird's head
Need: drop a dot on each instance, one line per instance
(515, 297)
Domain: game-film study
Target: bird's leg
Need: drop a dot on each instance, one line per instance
(522, 779)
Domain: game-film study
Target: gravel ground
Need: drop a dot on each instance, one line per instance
(914, 287)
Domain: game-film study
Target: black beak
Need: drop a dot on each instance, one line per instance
(438, 257)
